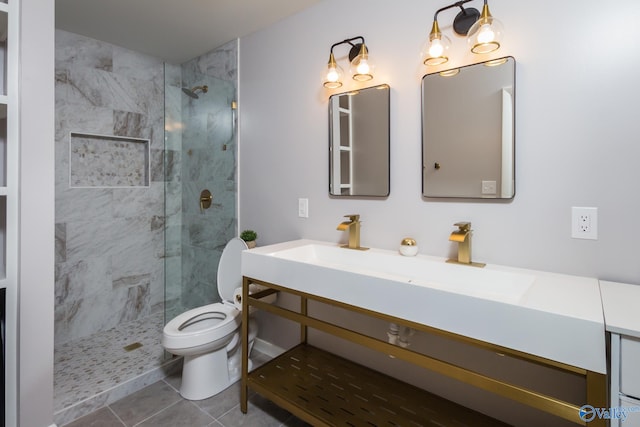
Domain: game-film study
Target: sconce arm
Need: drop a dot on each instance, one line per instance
(355, 48)
(451, 6)
(464, 20)
(348, 41)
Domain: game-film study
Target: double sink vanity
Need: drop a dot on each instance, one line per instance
(553, 322)
(547, 319)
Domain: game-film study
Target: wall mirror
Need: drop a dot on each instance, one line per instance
(468, 138)
(359, 143)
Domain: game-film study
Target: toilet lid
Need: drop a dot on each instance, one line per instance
(229, 272)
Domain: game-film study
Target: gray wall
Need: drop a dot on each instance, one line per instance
(31, 359)
(576, 143)
(576, 139)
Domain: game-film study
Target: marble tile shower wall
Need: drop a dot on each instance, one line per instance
(207, 161)
(109, 241)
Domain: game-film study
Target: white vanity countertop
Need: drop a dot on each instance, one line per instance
(621, 306)
(559, 317)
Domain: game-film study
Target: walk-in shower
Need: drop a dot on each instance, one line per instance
(118, 240)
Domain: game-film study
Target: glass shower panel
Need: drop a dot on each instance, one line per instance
(200, 154)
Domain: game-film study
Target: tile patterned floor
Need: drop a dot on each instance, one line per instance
(160, 405)
(87, 371)
(93, 365)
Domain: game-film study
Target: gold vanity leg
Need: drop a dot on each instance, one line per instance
(245, 345)
(597, 395)
(303, 327)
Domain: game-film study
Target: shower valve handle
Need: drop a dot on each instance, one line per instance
(205, 199)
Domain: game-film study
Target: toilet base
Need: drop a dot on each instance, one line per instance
(235, 364)
(204, 375)
(208, 374)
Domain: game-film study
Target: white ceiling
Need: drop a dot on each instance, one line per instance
(174, 30)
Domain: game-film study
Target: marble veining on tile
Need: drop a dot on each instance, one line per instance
(105, 235)
(82, 52)
(130, 124)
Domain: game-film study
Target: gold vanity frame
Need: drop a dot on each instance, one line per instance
(596, 383)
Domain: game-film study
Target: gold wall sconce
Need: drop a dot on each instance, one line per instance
(361, 66)
(484, 33)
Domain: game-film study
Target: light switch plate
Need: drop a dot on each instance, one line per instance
(303, 208)
(489, 187)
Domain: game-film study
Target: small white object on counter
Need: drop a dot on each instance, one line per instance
(408, 247)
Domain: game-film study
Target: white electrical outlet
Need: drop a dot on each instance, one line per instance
(584, 223)
(303, 208)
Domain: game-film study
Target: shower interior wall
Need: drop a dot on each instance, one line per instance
(201, 153)
(110, 241)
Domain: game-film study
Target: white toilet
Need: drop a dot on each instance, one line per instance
(209, 337)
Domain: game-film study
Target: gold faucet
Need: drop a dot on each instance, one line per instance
(353, 225)
(463, 237)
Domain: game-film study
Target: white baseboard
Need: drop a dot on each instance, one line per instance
(267, 348)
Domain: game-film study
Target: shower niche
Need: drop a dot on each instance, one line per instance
(108, 161)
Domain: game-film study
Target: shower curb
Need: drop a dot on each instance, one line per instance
(107, 397)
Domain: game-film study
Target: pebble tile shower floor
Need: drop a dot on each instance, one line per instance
(93, 371)
(87, 371)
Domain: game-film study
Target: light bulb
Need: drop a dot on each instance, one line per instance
(331, 78)
(332, 75)
(436, 49)
(486, 34)
(363, 67)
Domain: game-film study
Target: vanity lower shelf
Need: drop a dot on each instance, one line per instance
(327, 390)
(283, 382)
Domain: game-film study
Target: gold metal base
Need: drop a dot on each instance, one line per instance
(359, 248)
(596, 390)
(326, 390)
(470, 264)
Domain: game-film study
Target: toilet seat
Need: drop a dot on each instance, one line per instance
(200, 325)
(212, 322)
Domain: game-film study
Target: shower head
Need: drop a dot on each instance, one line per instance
(192, 92)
